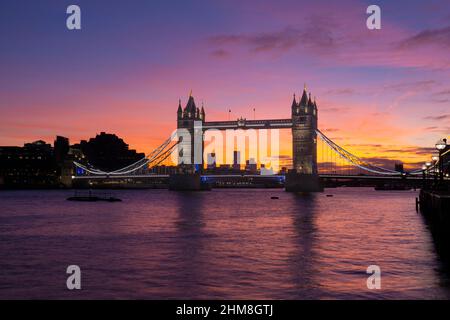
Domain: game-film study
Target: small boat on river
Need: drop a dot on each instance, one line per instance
(93, 197)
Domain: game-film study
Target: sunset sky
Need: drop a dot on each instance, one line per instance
(381, 93)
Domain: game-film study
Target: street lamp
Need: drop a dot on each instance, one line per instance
(424, 176)
(441, 145)
(435, 159)
(428, 165)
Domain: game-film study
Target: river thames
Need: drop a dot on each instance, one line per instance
(221, 244)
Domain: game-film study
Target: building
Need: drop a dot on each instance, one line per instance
(211, 162)
(108, 152)
(250, 166)
(399, 167)
(266, 171)
(283, 171)
(236, 160)
(61, 148)
(68, 170)
(32, 165)
(41, 165)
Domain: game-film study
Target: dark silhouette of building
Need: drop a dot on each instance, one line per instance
(32, 165)
(61, 148)
(39, 165)
(399, 167)
(108, 152)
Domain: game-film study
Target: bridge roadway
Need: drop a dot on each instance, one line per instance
(248, 124)
(323, 176)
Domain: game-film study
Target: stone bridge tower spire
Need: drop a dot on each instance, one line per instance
(304, 175)
(189, 124)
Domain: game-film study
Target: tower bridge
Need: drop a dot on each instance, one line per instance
(304, 175)
(303, 124)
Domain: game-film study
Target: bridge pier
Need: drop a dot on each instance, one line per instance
(187, 182)
(301, 182)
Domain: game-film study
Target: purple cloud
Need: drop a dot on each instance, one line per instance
(439, 37)
(344, 91)
(333, 109)
(220, 53)
(279, 41)
(412, 85)
(441, 100)
(443, 92)
(438, 118)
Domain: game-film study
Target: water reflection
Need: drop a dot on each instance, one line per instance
(302, 260)
(192, 248)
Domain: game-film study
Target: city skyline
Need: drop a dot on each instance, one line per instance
(381, 94)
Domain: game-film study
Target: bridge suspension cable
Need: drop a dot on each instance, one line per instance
(354, 160)
(154, 158)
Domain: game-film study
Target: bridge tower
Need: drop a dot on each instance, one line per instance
(304, 176)
(189, 125)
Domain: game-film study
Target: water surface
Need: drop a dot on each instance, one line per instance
(224, 244)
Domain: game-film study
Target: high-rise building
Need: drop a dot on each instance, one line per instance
(250, 166)
(211, 160)
(236, 160)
